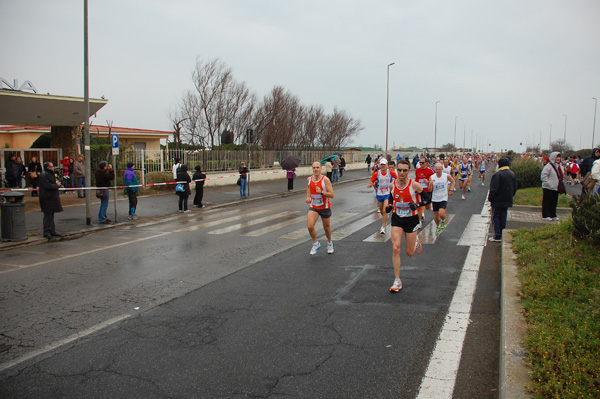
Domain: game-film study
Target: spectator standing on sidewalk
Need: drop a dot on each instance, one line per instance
(130, 179)
(176, 167)
(35, 170)
(79, 175)
(49, 199)
(290, 178)
(586, 164)
(22, 173)
(552, 174)
(335, 166)
(596, 175)
(243, 179)
(104, 174)
(184, 180)
(368, 161)
(199, 178)
(503, 187)
(12, 171)
(329, 169)
(342, 165)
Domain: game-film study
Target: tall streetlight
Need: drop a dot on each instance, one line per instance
(435, 129)
(387, 109)
(565, 137)
(86, 114)
(550, 138)
(455, 118)
(594, 129)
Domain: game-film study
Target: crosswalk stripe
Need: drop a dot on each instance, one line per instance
(220, 221)
(275, 227)
(428, 236)
(252, 222)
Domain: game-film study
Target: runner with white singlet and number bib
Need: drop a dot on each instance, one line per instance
(384, 178)
(483, 164)
(441, 186)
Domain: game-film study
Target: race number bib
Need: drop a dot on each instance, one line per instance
(317, 200)
(383, 190)
(403, 209)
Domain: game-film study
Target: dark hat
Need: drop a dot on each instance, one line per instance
(502, 162)
(130, 164)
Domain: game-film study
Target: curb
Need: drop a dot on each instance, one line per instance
(514, 374)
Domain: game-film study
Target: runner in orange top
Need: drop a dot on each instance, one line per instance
(319, 193)
(408, 196)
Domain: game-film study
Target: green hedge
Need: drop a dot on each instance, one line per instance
(528, 172)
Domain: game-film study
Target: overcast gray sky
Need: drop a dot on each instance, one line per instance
(507, 69)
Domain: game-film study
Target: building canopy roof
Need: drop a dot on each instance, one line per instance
(20, 108)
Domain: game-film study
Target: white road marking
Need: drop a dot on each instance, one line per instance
(335, 219)
(252, 222)
(220, 221)
(62, 342)
(91, 251)
(275, 227)
(442, 370)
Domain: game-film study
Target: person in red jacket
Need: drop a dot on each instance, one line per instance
(422, 175)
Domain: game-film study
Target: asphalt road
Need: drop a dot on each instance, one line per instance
(227, 302)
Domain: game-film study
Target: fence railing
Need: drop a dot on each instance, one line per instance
(221, 160)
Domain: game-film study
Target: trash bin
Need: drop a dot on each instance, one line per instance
(12, 221)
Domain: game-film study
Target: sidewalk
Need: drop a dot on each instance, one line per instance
(71, 223)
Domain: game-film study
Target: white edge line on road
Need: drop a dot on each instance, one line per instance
(58, 344)
(59, 258)
(442, 370)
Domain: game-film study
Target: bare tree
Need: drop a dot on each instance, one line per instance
(560, 146)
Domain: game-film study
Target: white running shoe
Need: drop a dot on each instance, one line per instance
(329, 247)
(187, 211)
(382, 230)
(315, 247)
(463, 197)
(420, 225)
(397, 286)
(482, 184)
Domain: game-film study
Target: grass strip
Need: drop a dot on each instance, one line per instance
(560, 279)
(532, 196)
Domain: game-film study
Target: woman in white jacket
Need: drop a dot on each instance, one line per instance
(552, 173)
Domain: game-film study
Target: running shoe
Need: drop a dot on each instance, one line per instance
(443, 225)
(463, 197)
(482, 184)
(469, 189)
(556, 219)
(315, 247)
(418, 246)
(439, 229)
(329, 247)
(382, 230)
(548, 219)
(187, 211)
(494, 239)
(397, 286)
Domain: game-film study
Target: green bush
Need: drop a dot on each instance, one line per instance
(586, 218)
(160, 177)
(528, 172)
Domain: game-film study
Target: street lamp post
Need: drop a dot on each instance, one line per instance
(387, 107)
(565, 137)
(435, 129)
(455, 118)
(594, 129)
(550, 138)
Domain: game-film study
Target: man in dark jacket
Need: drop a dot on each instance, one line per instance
(12, 171)
(49, 199)
(104, 174)
(502, 190)
(586, 164)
